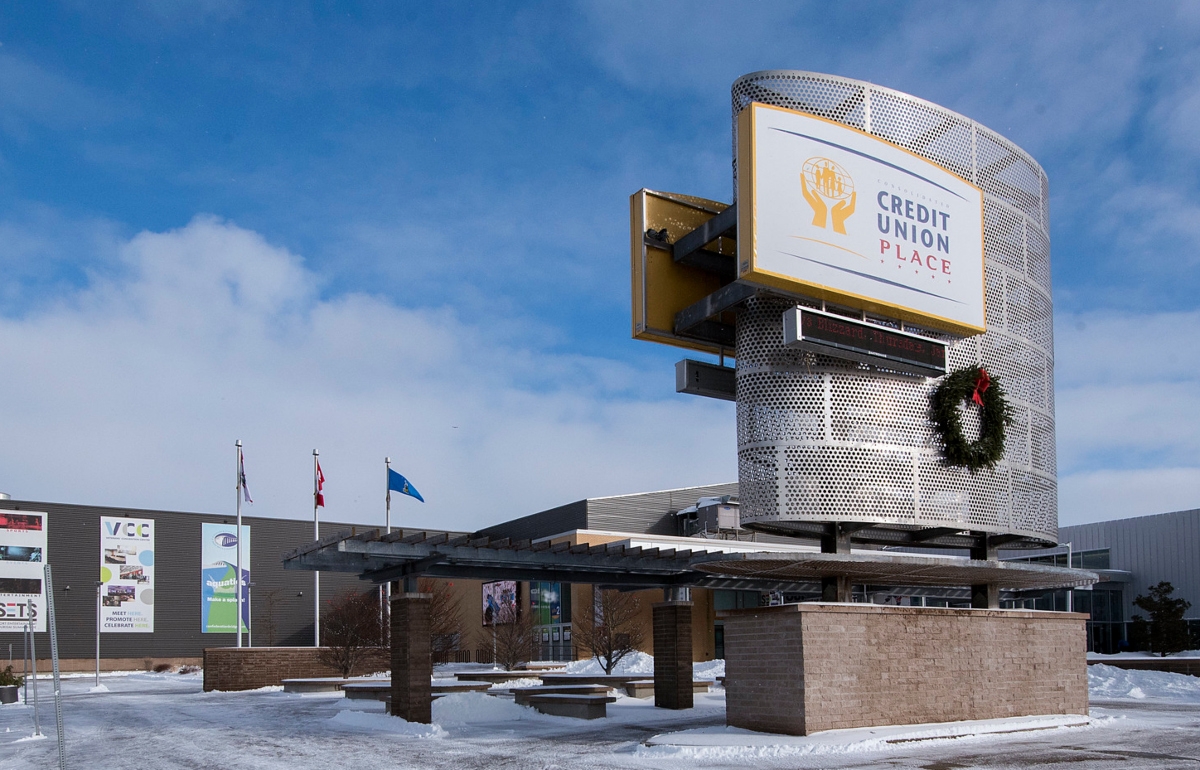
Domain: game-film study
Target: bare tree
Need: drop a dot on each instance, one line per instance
(266, 615)
(512, 636)
(353, 632)
(612, 630)
(445, 617)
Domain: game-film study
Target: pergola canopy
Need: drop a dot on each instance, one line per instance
(412, 553)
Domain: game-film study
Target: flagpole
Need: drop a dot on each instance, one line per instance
(387, 484)
(237, 623)
(316, 574)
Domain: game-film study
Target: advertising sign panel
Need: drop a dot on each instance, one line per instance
(661, 286)
(499, 602)
(831, 212)
(127, 574)
(22, 569)
(218, 584)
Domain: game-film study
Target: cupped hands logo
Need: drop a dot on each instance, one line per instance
(829, 190)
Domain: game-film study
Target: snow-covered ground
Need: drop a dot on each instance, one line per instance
(1139, 719)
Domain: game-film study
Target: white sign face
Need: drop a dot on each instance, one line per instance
(22, 570)
(127, 572)
(834, 213)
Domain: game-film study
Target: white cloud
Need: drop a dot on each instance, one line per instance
(132, 390)
(1128, 396)
(1119, 494)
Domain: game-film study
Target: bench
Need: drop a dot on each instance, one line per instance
(521, 695)
(612, 680)
(497, 677)
(315, 684)
(575, 706)
(383, 688)
(644, 688)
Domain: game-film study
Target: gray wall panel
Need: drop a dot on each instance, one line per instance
(74, 553)
(1165, 546)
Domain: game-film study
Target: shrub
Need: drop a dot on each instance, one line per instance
(8, 678)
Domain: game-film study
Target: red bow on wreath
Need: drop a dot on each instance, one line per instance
(981, 386)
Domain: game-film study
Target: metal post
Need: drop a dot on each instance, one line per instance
(237, 472)
(250, 613)
(52, 627)
(386, 589)
(316, 574)
(25, 664)
(37, 724)
(1070, 591)
(99, 588)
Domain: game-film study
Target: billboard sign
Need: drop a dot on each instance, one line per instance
(22, 570)
(127, 575)
(830, 212)
(499, 602)
(661, 286)
(218, 584)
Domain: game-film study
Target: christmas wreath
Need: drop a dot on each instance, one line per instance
(974, 384)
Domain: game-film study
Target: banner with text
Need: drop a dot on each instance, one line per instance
(218, 584)
(127, 575)
(22, 570)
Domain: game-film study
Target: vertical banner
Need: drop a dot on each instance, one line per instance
(218, 584)
(127, 575)
(22, 556)
(499, 602)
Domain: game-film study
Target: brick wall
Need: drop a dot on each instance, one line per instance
(799, 669)
(248, 668)
(673, 655)
(411, 664)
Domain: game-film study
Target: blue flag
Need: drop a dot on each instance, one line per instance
(400, 484)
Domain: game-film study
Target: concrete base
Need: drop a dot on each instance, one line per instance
(248, 668)
(802, 668)
(672, 655)
(412, 667)
(75, 665)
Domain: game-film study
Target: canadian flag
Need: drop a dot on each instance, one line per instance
(319, 484)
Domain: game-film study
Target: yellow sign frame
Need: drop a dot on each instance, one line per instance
(661, 287)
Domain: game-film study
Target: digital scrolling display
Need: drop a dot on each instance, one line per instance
(860, 341)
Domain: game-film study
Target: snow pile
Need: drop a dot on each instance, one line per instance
(708, 670)
(463, 708)
(98, 688)
(1111, 682)
(513, 683)
(383, 723)
(633, 663)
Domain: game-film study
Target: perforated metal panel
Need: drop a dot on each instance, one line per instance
(821, 439)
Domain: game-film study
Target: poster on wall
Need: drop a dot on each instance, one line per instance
(499, 602)
(22, 560)
(218, 584)
(127, 575)
(545, 603)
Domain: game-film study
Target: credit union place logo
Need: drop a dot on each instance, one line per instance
(829, 191)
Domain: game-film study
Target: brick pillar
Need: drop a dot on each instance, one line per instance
(673, 655)
(412, 669)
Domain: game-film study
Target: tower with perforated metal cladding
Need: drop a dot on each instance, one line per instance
(876, 244)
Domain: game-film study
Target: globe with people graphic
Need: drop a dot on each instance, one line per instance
(827, 178)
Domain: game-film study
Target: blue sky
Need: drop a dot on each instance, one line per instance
(401, 229)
